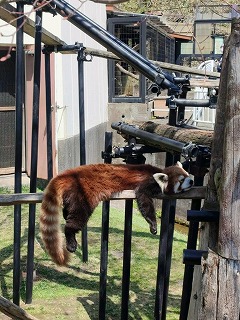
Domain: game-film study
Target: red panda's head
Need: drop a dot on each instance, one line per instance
(174, 179)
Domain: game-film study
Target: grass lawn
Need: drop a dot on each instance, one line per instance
(72, 292)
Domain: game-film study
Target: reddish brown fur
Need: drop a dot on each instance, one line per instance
(78, 191)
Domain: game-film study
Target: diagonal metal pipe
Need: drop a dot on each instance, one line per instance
(152, 138)
(143, 65)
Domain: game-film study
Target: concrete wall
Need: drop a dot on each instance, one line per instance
(127, 112)
(69, 149)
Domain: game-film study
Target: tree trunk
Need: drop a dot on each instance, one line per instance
(216, 287)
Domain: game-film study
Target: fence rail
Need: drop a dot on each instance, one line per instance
(27, 198)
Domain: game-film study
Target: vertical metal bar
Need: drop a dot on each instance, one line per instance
(172, 211)
(48, 115)
(19, 84)
(181, 109)
(191, 244)
(80, 59)
(166, 240)
(104, 241)
(126, 258)
(162, 260)
(172, 116)
(104, 260)
(34, 154)
(142, 79)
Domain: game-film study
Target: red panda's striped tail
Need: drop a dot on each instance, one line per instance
(50, 227)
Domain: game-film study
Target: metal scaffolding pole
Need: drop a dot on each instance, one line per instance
(18, 152)
(34, 154)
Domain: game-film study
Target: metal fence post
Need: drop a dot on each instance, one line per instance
(104, 240)
(18, 151)
(48, 114)
(34, 154)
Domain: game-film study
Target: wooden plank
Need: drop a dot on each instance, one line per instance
(27, 198)
(7, 108)
(20, 198)
(7, 14)
(8, 170)
(204, 83)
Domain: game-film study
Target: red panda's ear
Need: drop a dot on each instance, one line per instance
(179, 164)
(161, 179)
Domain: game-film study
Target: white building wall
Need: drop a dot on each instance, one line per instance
(95, 92)
(95, 76)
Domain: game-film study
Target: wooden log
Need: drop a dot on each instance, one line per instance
(13, 311)
(188, 70)
(229, 231)
(201, 137)
(220, 297)
(27, 198)
(216, 289)
(164, 65)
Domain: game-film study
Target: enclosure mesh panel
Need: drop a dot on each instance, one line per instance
(124, 84)
(7, 80)
(7, 118)
(159, 47)
(141, 35)
(7, 139)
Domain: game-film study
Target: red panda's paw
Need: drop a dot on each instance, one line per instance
(71, 246)
(153, 228)
(71, 243)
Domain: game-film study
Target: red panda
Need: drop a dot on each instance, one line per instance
(78, 191)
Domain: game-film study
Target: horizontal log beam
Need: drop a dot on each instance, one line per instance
(196, 136)
(28, 198)
(167, 66)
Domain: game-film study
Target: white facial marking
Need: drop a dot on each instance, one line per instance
(162, 180)
(179, 164)
(183, 184)
(176, 187)
(187, 184)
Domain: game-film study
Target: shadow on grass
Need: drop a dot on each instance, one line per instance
(6, 254)
(121, 231)
(138, 234)
(140, 306)
(141, 303)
